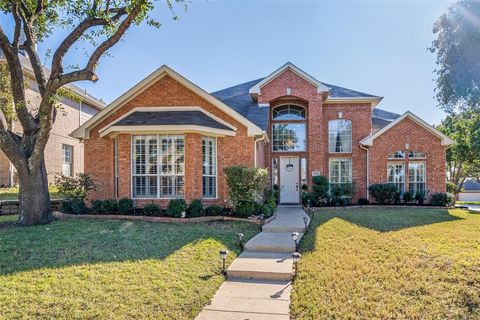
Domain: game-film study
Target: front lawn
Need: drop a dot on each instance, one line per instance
(375, 263)
(12, 193)
(91, 269)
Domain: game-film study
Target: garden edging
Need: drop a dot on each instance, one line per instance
(62, 215)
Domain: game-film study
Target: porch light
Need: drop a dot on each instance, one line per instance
(295, 257)
(223, 256)
(305, 221)
(295, 238)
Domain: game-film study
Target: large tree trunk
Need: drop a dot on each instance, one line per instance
(34, 199)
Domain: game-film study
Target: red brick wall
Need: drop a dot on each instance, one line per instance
(419, 139)
(236, 150)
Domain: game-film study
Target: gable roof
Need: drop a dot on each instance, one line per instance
(255, 90)
(471, 185)
(446, 141)
(83, 131)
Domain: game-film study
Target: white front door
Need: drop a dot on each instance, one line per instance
(289, 185)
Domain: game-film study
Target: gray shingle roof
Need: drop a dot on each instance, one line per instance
(146, 118)
(471, 185)
(239, 99)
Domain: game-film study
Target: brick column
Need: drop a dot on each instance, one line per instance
(316, 144)
(193, 166)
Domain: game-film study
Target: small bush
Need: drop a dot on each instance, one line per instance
(397, 198)
(363, 201)
(320, 195)
(383, 192)
(74, 206)
(125, 206)
(245, 184)
(97, 207)
(74, 187)
(213, 210)
(176, 207)
(420, 196)
(245, 209)
(110, 206)
(195, 209)
(407, 197)
(151, 209)
(441, 199)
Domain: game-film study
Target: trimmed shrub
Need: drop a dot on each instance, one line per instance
(441, 199)
(245, 209)
(195, 209)
(276, 193)
(176, 207)
(383, 192)
(320, 195)
(363, 202)
(151, 209)
(125, 206)
(97, 207)
(213, 210)
(246, 185)
(407, 197)
(110, 206)
(420, 196)
(397, 198)
(74, 206)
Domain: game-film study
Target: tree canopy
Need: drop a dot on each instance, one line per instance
(457, 49)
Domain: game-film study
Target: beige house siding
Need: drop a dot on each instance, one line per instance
(70, 115)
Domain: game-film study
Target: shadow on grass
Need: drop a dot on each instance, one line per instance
(78, 242)
(379, 219)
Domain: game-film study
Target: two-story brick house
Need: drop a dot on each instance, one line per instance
(167, 138)
(63, 153)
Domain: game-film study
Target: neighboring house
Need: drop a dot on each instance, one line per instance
(167, 138)
(471, 191)
(63, 153)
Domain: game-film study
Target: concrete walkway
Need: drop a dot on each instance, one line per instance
(258, 285)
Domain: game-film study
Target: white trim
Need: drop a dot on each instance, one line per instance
(216, 169)
(166, 129)
(445, 140)
(84, 131)
(256, 89)
(162, 109)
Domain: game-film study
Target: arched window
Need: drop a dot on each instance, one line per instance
(400, 154)
(416, 155)
(289, 112)
(289, 129)
(340, 136)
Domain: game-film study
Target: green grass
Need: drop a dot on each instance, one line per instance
(468, 202)
(12, 193)
(91, 269)
(378, 263)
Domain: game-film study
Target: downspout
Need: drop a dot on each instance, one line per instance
(368, 170)
(255, 148)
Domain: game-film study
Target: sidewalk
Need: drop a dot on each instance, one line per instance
(258, 285)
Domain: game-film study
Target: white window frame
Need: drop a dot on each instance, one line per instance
(331, 161)
(214, 164)
(333, 133)
(414, 155)
(69, 148)
(396, 183)
(159, 175)
(396, 155)
(415, 181)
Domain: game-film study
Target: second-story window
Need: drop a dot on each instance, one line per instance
(289, 129)
(340, 136)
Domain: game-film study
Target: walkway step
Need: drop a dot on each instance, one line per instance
(272, 242)
(261, 265)
(249, 300)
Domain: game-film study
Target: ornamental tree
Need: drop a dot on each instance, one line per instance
(100, 23)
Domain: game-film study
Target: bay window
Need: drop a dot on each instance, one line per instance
(158, 163)
(209, 168)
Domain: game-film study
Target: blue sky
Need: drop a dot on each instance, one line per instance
(374, 47)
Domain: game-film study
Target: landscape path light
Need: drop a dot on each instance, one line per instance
(295, 238)
(305, 221)
(240, 239)
(295, 257)
(223, 256)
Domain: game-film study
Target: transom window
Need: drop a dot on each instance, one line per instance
(400, 154)
(340, 136)
(158, 165)
(289, 112)
(417, 177)
(340, 171)
(416, 155)
(396, 175)
(209, 169)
